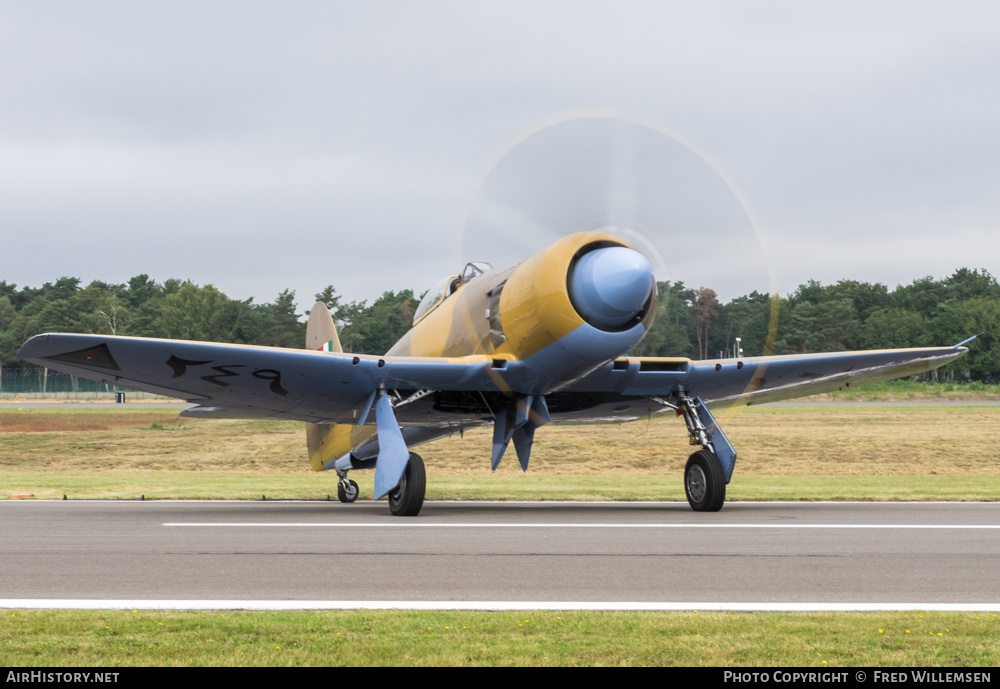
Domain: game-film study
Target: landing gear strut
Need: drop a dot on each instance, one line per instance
(708, 470)
(406, 499)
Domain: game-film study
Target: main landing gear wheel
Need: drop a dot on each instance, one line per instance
(347, 490)
(704, 483)
(406, 499)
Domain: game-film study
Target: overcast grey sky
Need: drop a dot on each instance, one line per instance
(263, 145)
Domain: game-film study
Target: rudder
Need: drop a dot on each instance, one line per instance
(321, 335)
(321, 332)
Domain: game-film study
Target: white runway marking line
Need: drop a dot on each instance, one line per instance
(104, 604)
(572, 525)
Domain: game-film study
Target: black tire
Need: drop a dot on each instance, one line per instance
(406, 499)
(347, 491)
(704, 483)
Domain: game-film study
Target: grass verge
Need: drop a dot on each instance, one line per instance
(176, 485)
(912, 390)
(468, 638)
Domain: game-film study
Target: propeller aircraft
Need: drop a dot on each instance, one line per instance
(544, 340)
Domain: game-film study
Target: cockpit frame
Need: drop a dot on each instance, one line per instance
(446, 287)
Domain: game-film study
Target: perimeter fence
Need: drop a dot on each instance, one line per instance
(33, 384)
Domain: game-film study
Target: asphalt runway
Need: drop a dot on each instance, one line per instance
(628, 554)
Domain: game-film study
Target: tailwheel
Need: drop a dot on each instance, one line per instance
(704, 483)
(347, 490)
(406, 499)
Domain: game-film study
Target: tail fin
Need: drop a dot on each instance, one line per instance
(321, 334)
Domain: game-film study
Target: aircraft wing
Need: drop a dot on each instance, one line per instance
(757, 380)
(227, 380)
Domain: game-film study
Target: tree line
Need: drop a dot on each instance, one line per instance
(844, 316)
(177, 309)
(689, 322)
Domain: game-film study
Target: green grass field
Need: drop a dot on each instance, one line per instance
(912, 390)
(114, 638)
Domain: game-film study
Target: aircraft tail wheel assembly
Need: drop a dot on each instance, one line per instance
(406, 499)
(347, 490)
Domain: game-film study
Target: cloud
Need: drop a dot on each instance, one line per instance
(258, 146)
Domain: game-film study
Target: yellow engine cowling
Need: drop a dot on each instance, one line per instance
(537, 304)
